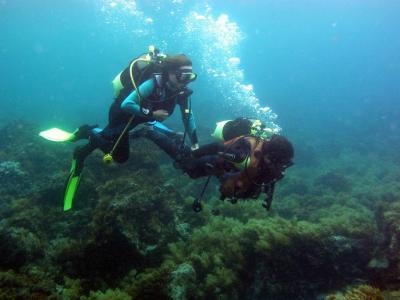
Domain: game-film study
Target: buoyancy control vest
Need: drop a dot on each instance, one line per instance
(242, 183)
(247, 145)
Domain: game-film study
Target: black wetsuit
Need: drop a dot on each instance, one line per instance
(210, 159)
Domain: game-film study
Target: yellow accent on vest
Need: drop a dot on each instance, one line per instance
(243, 165)
(218, 132)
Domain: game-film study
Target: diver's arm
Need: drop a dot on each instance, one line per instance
(208, 149)
(131, 104)
(236, 150)
(232, 154)
(189, 122)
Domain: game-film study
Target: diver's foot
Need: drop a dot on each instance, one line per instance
(83, 132)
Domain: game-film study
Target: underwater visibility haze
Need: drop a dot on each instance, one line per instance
(323, 74)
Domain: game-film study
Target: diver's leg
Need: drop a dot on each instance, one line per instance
(160, 127)
(108, 138)
(172, 145)
(105, 139)
(200, 167)
(84, 132)
(121, 152)
(79, 156)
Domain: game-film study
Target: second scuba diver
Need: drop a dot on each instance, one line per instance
(146, 91)
(248, 158)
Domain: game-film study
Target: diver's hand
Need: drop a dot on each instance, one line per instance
(160, 115)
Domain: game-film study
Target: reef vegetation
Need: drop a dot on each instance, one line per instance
(333, 232)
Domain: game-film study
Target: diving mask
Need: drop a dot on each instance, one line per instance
(184, 76)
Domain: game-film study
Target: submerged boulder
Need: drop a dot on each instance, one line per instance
(335, 181)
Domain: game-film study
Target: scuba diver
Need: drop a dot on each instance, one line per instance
(146, 91)
(248, 159)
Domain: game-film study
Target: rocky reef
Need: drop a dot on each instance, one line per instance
(334, 232)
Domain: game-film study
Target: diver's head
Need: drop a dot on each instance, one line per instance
(277, 155)
(179, 68)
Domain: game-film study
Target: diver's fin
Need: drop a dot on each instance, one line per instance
(57, 135)
(72, 186)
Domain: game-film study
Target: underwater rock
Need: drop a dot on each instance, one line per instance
(18, 286)
(109, 294)
(27, 162)
(133, 235)
(11, 168)
(18, 246)
(14, 180)
(182, 282)
(12, 254)
(183, 229)
(362, 292)
(334, 181)
(109, 256)
(388, 218)
(269, 259)
(131, 225)
(378, 263)
(16, 134)
(294, 186)
(307, 266)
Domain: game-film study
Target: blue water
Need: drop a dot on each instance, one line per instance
(327, 70)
